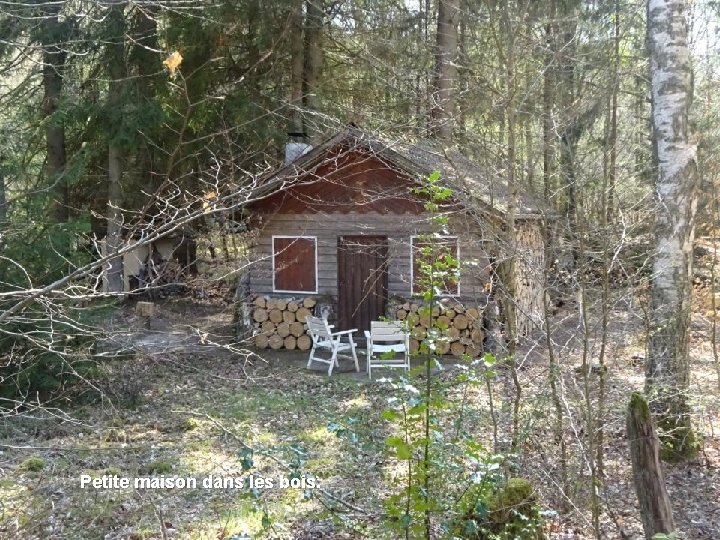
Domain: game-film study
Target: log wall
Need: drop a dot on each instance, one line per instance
(398, 228)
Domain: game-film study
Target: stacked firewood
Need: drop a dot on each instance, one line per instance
(280, 323)
(452, 327)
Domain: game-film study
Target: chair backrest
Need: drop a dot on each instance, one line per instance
(318, 327)
(387, 331)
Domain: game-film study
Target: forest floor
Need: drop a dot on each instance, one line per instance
(186, 404)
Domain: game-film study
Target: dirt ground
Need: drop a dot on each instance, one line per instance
(189, 402)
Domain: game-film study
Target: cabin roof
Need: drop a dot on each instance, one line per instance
(472, 185)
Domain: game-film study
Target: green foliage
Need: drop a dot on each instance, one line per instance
(665, 536)
(477, 504)
(33, 464)
(502, 511)
(159, 466)
(47, 350)
(189, 424)
(678, 441)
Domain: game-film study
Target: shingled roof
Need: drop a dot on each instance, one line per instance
(471, 184)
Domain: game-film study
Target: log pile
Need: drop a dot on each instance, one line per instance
(279, 323)
(460, 327)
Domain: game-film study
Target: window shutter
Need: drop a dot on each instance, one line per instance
(294, 263)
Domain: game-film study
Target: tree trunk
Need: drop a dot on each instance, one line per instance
(655, 508)
(113, 240)
(313, 53)
(443, 101)
(612, 139)
(668, 373)
(547, 116)
(3, 199)
(142, 54)
(297, 62)
(569, 132)
(54, 58)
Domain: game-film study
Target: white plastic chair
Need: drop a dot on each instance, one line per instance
(385, 337)
(323, 338)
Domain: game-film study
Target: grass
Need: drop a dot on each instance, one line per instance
(196, 415)
(284, 416)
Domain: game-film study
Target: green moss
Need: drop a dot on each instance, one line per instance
(638, 403)
(33, 464)
(159, 466)
(509, 512)
(189, 424)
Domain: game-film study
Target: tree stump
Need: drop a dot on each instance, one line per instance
(145, 309)
(276, 316)
(260, 315)
(655, 508)
(288, 316)
(290, 342)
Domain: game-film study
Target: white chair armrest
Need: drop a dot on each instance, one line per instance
(342, 332)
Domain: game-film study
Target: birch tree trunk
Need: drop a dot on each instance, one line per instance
(443, 103)
(667, 375)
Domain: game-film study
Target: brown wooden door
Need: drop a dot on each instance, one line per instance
(362, 280)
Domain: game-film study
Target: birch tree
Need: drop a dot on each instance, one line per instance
(667, 375)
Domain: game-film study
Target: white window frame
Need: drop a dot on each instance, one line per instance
(294, 236)
(412, 263)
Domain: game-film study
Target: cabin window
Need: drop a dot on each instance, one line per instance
(295, 264)
(423, 250)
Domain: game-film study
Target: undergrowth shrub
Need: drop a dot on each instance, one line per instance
(500, 512)
(449, 480)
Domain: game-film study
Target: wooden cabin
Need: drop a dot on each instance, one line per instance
(342, 225)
